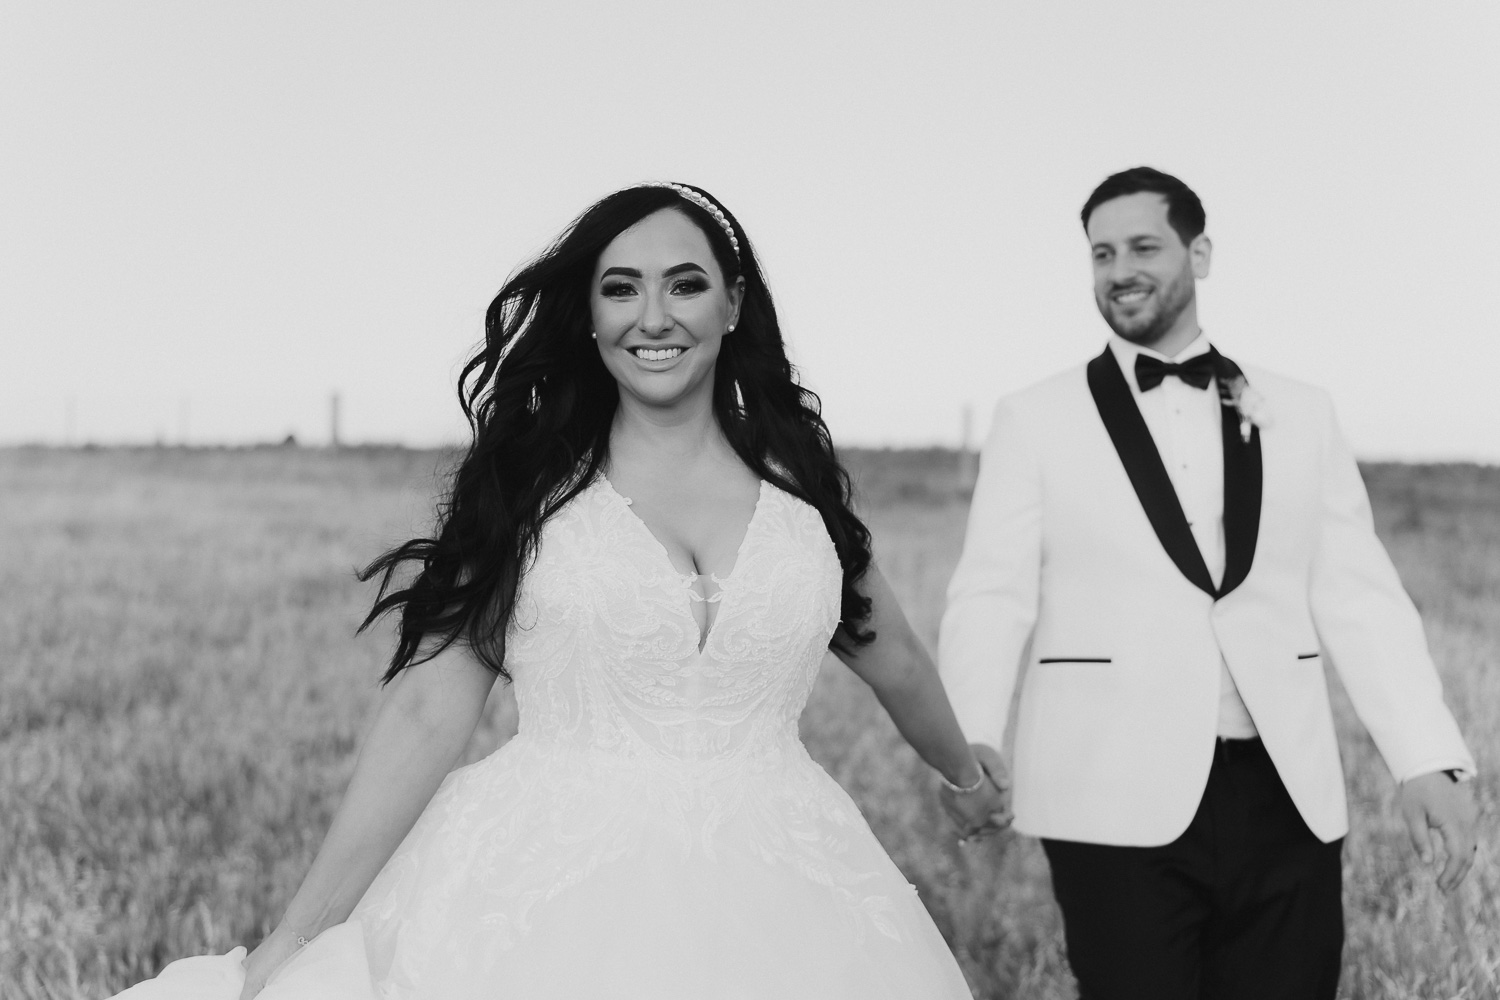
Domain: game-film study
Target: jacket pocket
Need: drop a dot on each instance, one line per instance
(1075, 659)
(1308, 656)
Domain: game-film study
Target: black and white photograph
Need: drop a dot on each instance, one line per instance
(675, 501)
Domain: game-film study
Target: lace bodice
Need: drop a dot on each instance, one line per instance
(604, 645)
(657, 780)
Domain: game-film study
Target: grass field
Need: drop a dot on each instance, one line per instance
(181, 698)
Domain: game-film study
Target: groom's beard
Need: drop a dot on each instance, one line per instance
(1149, 322)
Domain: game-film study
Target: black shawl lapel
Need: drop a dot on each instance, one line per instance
(1242, 486)
(1143, 464)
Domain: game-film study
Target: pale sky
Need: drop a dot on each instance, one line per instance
(212, 216)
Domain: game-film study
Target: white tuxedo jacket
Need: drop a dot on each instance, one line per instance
(1079, 566)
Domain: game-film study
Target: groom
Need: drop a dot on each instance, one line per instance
(1172, 546)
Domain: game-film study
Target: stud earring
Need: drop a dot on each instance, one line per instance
(593, 336)
(731, 328)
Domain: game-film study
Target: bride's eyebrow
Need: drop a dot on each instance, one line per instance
(630, 272)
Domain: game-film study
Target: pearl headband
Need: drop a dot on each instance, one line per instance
(707, 206)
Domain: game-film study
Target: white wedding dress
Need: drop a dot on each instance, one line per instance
(656, 829)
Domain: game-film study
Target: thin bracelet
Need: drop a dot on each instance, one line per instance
(964, 789)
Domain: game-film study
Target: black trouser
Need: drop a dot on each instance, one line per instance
(1245, 905)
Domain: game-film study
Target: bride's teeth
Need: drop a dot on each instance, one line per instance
(647, 354)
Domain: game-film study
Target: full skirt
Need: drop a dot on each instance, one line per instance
(538, 873)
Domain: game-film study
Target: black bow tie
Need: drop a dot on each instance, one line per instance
(1196, 371)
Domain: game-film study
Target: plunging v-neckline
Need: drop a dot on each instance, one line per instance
(722, 581)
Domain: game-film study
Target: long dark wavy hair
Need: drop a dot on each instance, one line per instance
(540, 404)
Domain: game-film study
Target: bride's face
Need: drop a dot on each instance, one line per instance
(661, 307)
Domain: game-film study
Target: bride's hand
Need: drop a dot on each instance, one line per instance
(986, 810)
(268, 956)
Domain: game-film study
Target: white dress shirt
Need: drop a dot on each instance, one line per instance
(1185, 425)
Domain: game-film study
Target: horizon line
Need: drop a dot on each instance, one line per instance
(290, 444)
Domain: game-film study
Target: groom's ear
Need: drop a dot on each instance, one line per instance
(1200, 253)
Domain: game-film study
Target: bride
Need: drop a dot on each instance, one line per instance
(651, 538)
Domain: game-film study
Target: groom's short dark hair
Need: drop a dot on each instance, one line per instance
(1184, 210)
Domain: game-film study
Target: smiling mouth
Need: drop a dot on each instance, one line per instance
(1130, 296)
(657, 353)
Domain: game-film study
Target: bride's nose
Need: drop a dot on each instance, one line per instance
(654, 317)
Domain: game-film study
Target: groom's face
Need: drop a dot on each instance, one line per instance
(1143, 274)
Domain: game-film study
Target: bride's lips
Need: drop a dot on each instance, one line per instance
(657, 358)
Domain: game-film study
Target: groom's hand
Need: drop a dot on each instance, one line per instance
(980, 813)
(1435, 802)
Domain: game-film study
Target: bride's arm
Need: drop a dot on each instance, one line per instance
(902, 674)
(424, 722)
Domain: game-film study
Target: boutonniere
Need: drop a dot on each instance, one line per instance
(1249, 404)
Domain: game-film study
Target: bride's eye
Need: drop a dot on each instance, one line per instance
(689, 286)
(617, 290)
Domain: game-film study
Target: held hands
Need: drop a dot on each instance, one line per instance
(268, 956)
(986, 810)
(1435, 802)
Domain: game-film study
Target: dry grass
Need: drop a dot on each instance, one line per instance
(180, 698)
